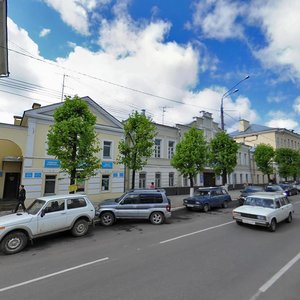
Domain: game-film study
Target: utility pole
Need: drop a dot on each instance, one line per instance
(63, 88)
(163, 112)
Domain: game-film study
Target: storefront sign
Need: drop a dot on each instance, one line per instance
(52, 163)
(37, 175)
(28, 175)
(107, 165)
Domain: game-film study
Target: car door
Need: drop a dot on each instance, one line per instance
(75, 207)
(285, 206)
(280, 213)
(148, 203)
(127, 207)
(53, 217)
(214, 199)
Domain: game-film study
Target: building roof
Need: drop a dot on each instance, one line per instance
(253, 128)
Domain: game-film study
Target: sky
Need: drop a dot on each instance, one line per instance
(173, 58)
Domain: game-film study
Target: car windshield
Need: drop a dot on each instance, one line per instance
(253, 201)
(120, 198)
(253, 189)
(202, 192)
(35, 206)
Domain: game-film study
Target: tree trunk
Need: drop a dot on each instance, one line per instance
(191, 181)
(72, 179)
(224, 177)
(133, 179)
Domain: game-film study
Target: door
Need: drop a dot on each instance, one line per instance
(11, 186)
(127, 208)
(55, 217)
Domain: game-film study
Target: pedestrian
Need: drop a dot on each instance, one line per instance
(21, 198)
(152, 186)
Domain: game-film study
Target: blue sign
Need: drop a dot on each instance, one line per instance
(52, 163)
(115, 175)
(107, 165)
(121, 174)
(37, 175)
(28, 175)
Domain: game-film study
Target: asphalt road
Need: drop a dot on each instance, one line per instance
(194, 256)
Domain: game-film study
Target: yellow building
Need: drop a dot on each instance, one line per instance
(24, 158)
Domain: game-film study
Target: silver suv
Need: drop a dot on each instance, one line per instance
(151, 204)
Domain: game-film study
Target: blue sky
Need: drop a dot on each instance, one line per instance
(179, 56)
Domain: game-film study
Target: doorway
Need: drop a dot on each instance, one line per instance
(11, 186)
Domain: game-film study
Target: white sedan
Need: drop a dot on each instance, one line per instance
(264, 209)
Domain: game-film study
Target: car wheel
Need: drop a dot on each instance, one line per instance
(107, 218)
(239, 222)
(272, 227)
(225, 204)
(80, 228)
(157, 218)
(188, 208)
(206, 208)
(14, 242)
(289, 218)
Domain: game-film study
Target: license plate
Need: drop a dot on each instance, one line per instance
(249, 222)
(190, 205)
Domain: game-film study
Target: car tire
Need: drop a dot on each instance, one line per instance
(14, 242)
(272, 226)
(239, 222)
(206, 208)
(107, 218)
(157, 218)
(225, 204)
(80, 228)
(289, 218)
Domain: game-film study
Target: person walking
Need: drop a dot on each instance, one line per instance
(21, 198)
(152, 186)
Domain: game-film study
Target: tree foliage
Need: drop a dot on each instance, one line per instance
(191, 154)
(288, 161)
(223, 154)
(137, 146)
(73, 139)
(264, 156)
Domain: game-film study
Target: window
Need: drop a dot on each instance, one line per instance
(76, 203)
(171, 179)
(245, 158)
(107, 149)
(142, 180)
(55, 205)
(241, 178)
(131, 199)
(105, 182)
(185, 181)
(171, 149)
(157, 148)
(150, 198)
(50, 184)
(157, 180)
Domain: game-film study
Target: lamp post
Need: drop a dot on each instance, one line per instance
(228, 93)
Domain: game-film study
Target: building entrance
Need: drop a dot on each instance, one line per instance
(11, 186)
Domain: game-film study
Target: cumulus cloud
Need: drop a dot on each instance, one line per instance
(74, 12)
(217, 19)
(296, 105)
(45, 32)
(278, 119)
(280, 23)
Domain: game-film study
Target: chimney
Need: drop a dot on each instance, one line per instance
(144, 112)
(244, 125)
(18, 120)
(36, 105)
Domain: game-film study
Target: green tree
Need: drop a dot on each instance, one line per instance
(223, 154)
(73, 140)
(138, 144)
(288, 161)
(264, 156)
(191, 154)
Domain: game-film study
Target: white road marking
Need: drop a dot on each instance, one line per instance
(275, 277)
(195, 232)
(52, 274)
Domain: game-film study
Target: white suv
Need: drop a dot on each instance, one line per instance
(46, 215)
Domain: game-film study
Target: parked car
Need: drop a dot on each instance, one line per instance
(249, 190)
(151, 204)
(207, 198)
(275, 188)
(46, 215)
(264, 209)
(297, 186)
(289, 189)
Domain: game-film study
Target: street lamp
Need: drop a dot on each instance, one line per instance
(228, 93)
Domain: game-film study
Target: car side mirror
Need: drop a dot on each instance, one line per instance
(43, 212)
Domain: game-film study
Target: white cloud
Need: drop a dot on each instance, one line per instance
(278, 119)
(296, 105)
(74, 12)
(218, 18)
(45, 32)
(134, 56)
(280, 23)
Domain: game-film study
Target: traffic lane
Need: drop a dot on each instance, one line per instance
(52, 253)
(228, 262)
